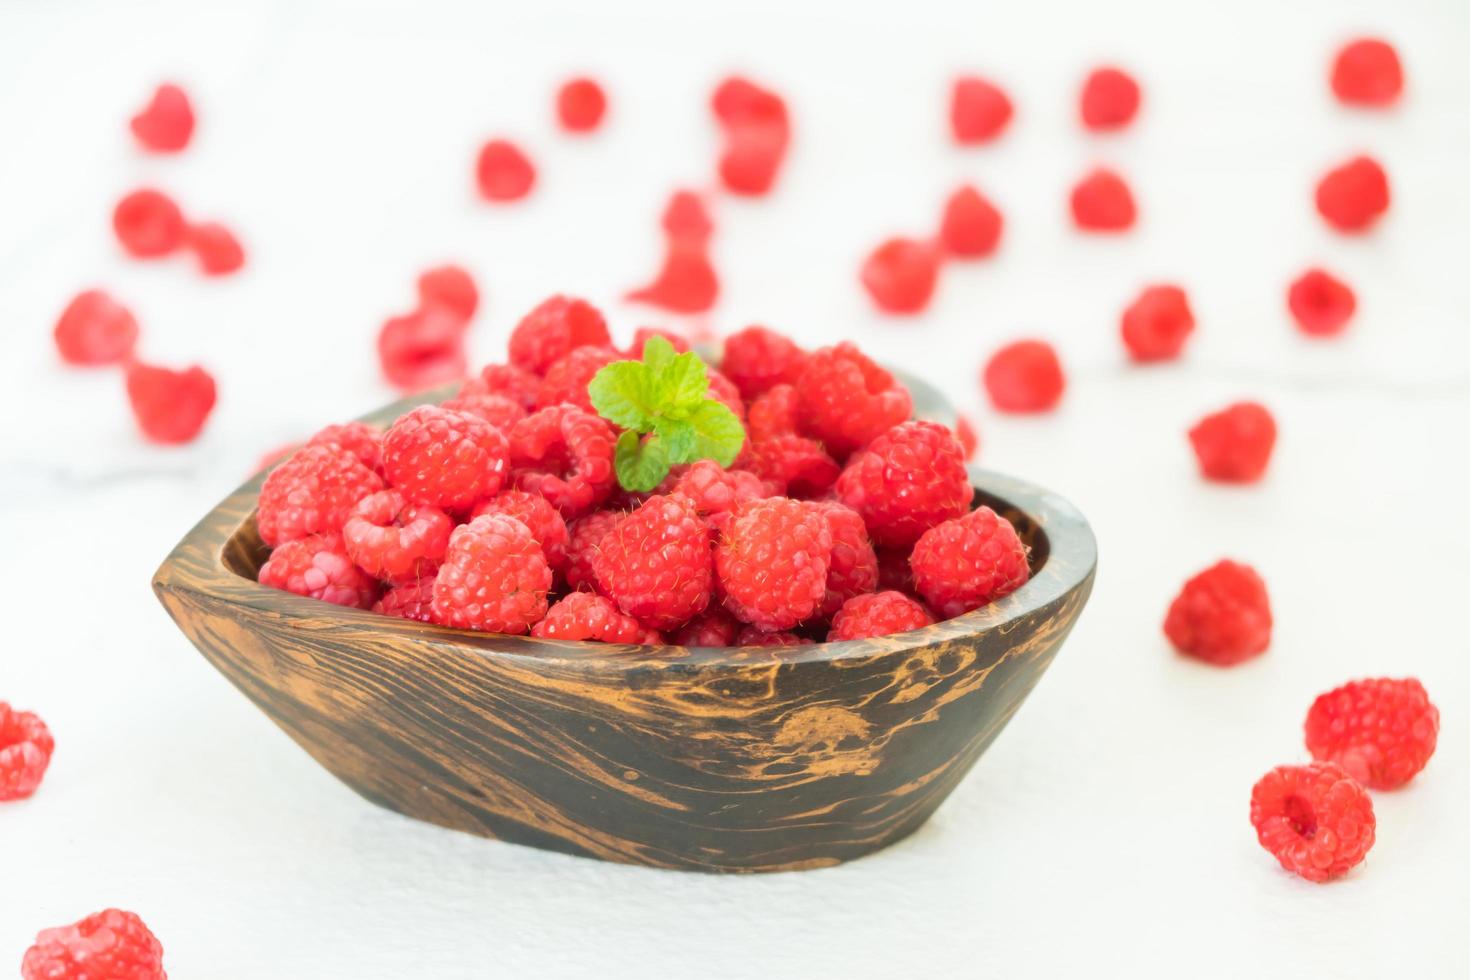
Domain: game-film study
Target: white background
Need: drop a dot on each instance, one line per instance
(1106, 832)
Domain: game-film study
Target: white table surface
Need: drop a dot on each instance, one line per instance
(1106, 832)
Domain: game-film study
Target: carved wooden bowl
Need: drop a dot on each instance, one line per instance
(710, 759)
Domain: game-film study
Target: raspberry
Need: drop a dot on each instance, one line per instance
(218, 250)
(971, 225)
(1234, 445)
(565, 455)
(1314, 819)
(723, 390)
(894, 572)
(686, 220)
(95, 329)
(584, 536)
(494, 578)
(757, 133)
(1381, 731)
(758, 359)
(714, 490)
(900, 275)
(978, 110)
(655, 563)
(1110, 99)
(498, 410)
(1101, 201)
(540, 518)
(878, 614)
(907, 480)
(319, 567)
(773, 413)
(792, 464)
(1367, 73)
(108, 945)
(1353, 196)
(580, 104)
(412, 600)
(449, 287)
(1025, 376)
(503, 172)
(447, 459)
(170, 406)
(1320, 303)
(552, 330)
(148, 224)
(846, 400)
(969, 561)
(588, 616)
(25, 752)
(754, 636)
(686, 282)
(964, 431)
(643, 335)
(1157, 323)
(396, 541)
(566, 380)
(422, 349)
(1222, 615)
(854, 567)
(514, 383)
(165, 124)
(712, 628)
(773, 561)
(362, 440)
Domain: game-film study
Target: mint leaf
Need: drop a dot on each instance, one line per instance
(641, 465)
(718, 434)
(677, 436)
(621, 393)
(684, 382)
(658, 353)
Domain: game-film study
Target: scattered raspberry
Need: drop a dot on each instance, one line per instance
(552, 330)
(95, 329)
(422, 349)
(449, 287)
(978, 110)
(170, 406)
(723, 390)
(854, 567)
(494, 578)
(969, 561)
(686, 220)
(446, 459)
(580, 104)
(359, 438)
(1315, 819)
(964, 431)
(1320, 303)
(754, 636)
(503, 172)
(757, 133)
(165, 124)
(773, 413)
(712, 628)
(318, 567)
(878, 614)
(714, 490)
(1110, 99)
(1353, 196)
(148, 224)
(1024, 376)
(758, 359)
(566, 380)
(218, 250)
(412, 600)
(900, 274)
(1367, 73)
(792, 464)
(498, 410)
(773, 561)
(655, 563)
(846, 400)
(396, 541)
(584, 537)
(588, 616)
(685, 283)
(540, 518)
(1101, 201)
(1381, 731)
(1234, 445)
(25, 752)
(971, 225)
(565, 455)
(1222, 615)
(109, 945)
(1157, 323)
(515, 383)
(907, 480)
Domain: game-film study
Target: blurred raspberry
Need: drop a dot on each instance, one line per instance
(723, 390)
(1222, 615)
(686, 281)
(687, 220)
(1110, 99)
(791, 464)
(449, 287)
(773, 413)
(412, 600)
(95, 329)
(148, 224)
(218, 250)
(446, 459)
(971, 226)
(584, 536)
(422, 349)
(359, 438)
(313, 491)
(1101, 201)
(517, 384)
(907, 480)
(540, 518)
(1353, 196)
(108, 945)
(1157, 323)
(1382, 731)
(655, 563)
(854, 567)
(712, 628)
(494, 578)
(502, 172)
(580, 104)
(968, 562)
(1025, 376)
(567, 379)
(25, 752)
(1234, 445)
(900, 274)
(1314, 819)
(1367, 73)
(553, 330)
(170, 406)
(757, 131)
(845, 400)
(498, 410)
(878, 614)
(588, 616)
(1320, 303)
(565, 455)
(964, 431)
(758, 359)
(165, 124)
(978, 110)
(319, 567)
(773, 561)
(396, 541)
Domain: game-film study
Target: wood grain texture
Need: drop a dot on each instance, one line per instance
(712, 759)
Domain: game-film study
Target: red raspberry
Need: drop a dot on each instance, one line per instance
(170, 406)
(95, 329)
(792, 464)
(1315, 819)
(108, 945)
(1110, 99)
(396, 541)
(313, 491)
(978, 110)
(757, 132)
(894, 572)
(165, 124)
(900, 274)
(359, 438)
(412, 600)
(907, 480)
(964, 431)
(971, 225)
(25, 752)
(580, 104)
(218, 250)
(1234, 445)
(1353, 196)
(588, 616)
(655, 563)
(447, 459)
(503, 172)
(773, 561)
(1157, 323)
(846, 400)
(552, 330)
(773, 413)
(540, 518)
(723, 390)
(498, 410)
(1101, 201)
(754, 636)
(878, 614)
(148, 224)
(685, 283)
(319, 567)
(1320, 303)
(643, 335)
(584, 536)
(969, 561)
(566, 380)
(714, 490)
(422, 349)
(450, 287)
(1381, 731)
(1222, 615)
(758, 359)
(712, 628)
(854, 568)
(686, 220)
(514, 383)
(565, 455)
(1367, 73)
(1025, 376)
(494, 578)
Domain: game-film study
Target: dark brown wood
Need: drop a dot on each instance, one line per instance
(711, 759)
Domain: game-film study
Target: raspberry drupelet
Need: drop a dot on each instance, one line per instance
(319, 567)
(313, 491)
(969, 561)
(565, 455)
(446, 459)
(656, 563)
(773, 561)
(878, 614)
(541, 519)
(845, 400)
(907, 480)
(588, 616)
(1234, 444)
(25, 752)
(1222, 615)
(95, 329)
(396, 541)
(494, 578)
(552, 330)
(108, 945)
(1315, 819)
(1381, 731)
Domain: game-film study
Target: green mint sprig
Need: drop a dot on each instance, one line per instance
(663, 404)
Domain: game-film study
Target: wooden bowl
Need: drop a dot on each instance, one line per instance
(710, 759)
